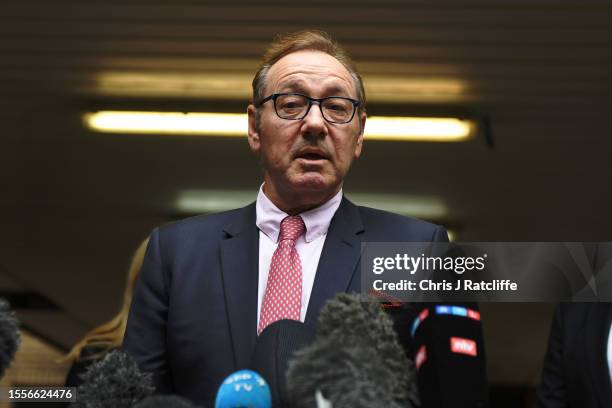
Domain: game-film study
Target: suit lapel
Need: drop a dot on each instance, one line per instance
(596, 350)
(240, 270)
(339, 258)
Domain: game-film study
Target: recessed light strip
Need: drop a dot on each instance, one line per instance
(221, 124)
(209, 201)
(235, 124)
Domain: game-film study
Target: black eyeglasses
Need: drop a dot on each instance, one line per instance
(295, 106)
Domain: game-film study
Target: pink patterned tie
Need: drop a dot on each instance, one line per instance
(283, 296)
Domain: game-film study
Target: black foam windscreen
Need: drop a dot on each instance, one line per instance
(449, 354)
(275, 346)
(164, 401)
(9, 335)
(114, 382)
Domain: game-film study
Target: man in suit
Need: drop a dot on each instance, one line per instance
(576, 370)
(210, 284)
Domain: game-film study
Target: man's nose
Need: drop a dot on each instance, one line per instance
(314, 123)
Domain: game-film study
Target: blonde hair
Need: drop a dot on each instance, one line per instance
(110, 334)
(314, 40)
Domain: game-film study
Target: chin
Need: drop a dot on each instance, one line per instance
(312, 182)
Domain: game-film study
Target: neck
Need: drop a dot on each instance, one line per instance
(294, 203)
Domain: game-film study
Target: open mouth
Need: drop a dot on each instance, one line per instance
(312, 155)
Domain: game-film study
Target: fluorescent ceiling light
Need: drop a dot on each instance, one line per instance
(235, 124)
(408, 88)
(231, 79)
(210, 201)
(418, 129)
(221, 124)
(420, 206)
(217, 85)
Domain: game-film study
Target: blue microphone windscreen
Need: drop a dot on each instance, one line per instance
(244, 389)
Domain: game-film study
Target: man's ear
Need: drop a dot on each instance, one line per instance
(253, 131)
(359, 145)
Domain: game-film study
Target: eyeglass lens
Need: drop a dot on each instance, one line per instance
(336, 110)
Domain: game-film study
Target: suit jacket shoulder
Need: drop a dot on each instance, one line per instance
(192, 235)
(206, 225)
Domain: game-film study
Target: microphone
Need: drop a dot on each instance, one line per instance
(9, 336)
(275, 346)
(349, 318)
(164, 401)
(355, 360)
(114, 382)
(244, 389)
(342, 375)
(449, 352)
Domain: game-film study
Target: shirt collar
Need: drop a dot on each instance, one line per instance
(317, 220)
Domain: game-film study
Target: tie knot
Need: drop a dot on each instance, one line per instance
(291, 228)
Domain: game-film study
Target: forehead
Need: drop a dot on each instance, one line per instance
(310, 71)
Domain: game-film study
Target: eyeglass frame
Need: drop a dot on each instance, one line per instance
(356, 104)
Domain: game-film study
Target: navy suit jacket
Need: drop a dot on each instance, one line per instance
(193, 319)
(575, 373)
